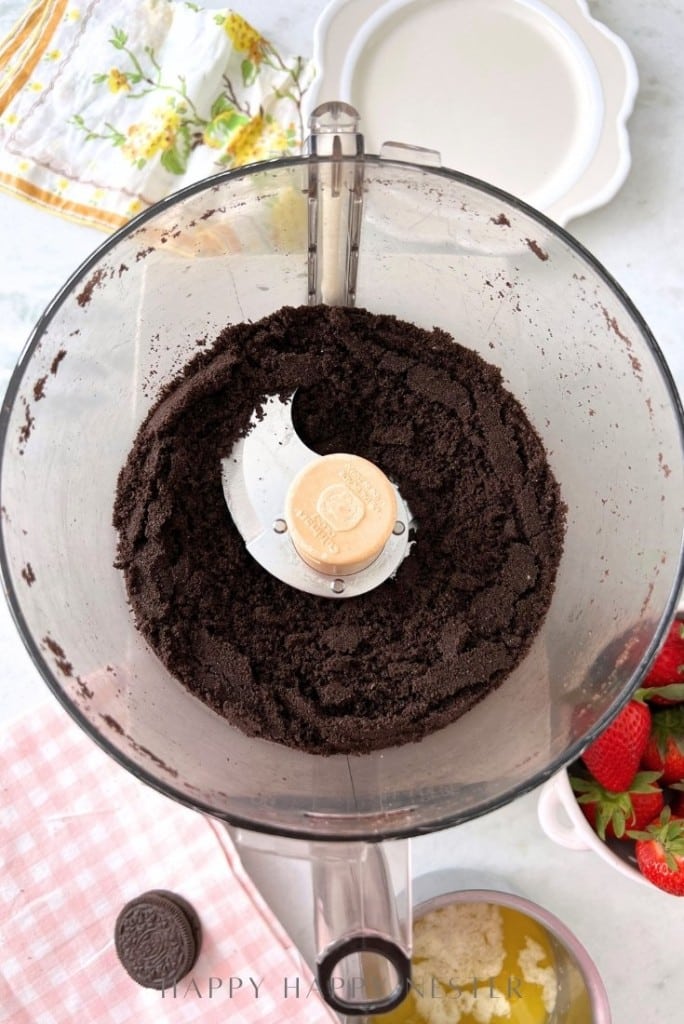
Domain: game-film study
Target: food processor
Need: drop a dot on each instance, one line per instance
(395, 233)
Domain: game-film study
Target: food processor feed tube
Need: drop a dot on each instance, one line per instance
(437, 248)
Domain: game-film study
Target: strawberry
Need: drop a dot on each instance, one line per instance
(613, 758)
(665, 748)
(664, 683)
(660, 852)
(611, 814)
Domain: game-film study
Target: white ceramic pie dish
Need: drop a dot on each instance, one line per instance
(533, 97)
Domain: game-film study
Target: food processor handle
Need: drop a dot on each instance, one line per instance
(335, 203)
(362, 921)
(335, 198)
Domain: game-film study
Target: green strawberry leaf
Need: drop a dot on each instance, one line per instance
(619, 820)
(668, 725)
(612, 808)
(668, 833)
(675, 691)
(644, 782)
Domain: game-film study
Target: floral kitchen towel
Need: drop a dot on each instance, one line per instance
(107, 107)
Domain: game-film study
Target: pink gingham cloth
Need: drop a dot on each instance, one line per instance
(79, 837)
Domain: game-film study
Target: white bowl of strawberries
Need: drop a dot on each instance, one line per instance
(624, 797)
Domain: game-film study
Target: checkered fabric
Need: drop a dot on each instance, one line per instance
(79, 837)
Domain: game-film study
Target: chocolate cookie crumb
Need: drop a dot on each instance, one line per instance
(157, 937)
(61, 660)
(28, 574)
(26, 429)
(536, 248)
(84, 689)
(391, 665)
(84, 296)
(54, 365)
(112, 723)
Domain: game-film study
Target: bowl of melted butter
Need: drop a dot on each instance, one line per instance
(488, 957)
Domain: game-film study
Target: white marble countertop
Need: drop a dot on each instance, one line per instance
(636, 936)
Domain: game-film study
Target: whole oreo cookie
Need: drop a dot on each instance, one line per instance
(157, 938)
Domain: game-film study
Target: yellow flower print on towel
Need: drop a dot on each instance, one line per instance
(258, 139)
(244, 38)
(165, 134)
(177, 125)
(147, 139)
(117, 81)
(247, 40)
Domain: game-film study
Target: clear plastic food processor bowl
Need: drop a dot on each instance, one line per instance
(433, 247)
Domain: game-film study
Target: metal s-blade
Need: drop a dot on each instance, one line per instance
(259, 470)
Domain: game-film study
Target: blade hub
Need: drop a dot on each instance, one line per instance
(331, 525)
